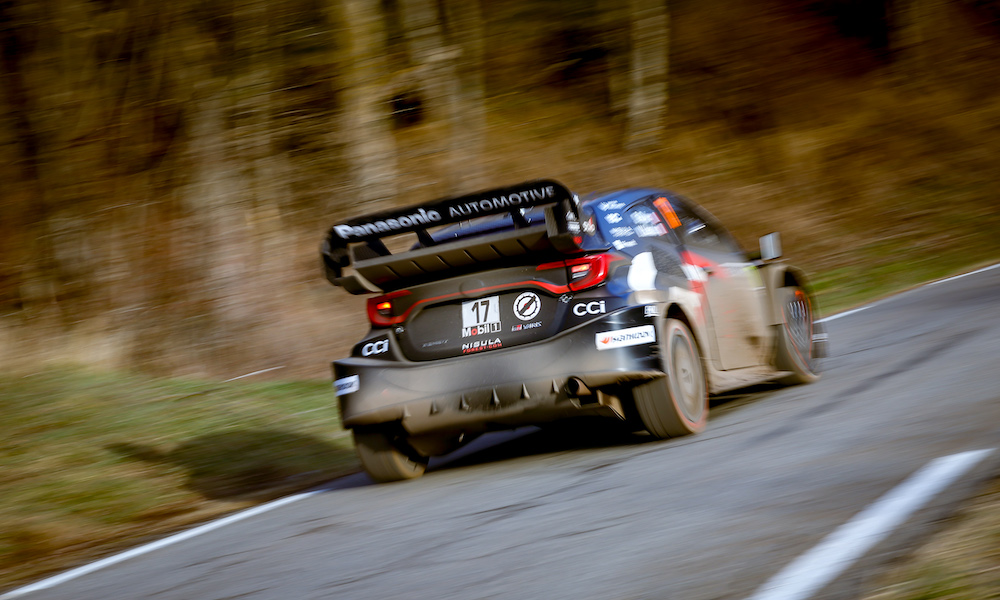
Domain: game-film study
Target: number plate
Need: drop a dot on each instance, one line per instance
(481, 316)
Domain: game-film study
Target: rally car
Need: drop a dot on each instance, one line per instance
(528, 305)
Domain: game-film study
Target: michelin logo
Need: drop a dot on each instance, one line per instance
(632, 336)
(347, 385)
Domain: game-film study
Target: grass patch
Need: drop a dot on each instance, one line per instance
(93, 457)
(959, 563)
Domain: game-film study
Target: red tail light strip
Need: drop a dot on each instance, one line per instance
(599, 268)
(376, 317)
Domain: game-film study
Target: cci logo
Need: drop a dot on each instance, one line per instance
(590, 308)
(376, 347)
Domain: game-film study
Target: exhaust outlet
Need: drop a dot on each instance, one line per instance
(577, 388)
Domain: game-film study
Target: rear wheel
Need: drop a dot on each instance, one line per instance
(795, 337)
(676, 404)
(387, 457)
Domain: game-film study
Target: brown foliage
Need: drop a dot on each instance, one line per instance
(168, 168)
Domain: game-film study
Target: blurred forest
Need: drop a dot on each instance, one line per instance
(168, 169)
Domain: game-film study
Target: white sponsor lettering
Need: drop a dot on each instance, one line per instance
(613, 218)
(622, 232)
(621, 245)
(650, 310)
(589, 308)
(488, 205)
(645, 218)
(650, 230)
(376, 347)
(632, 336)
(611, 205)
(421, 217)
(524, 326)
(347, 385)
(572, 225)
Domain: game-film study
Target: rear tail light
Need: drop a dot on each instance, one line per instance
(584, 272)
(382, 309)
(588, 271)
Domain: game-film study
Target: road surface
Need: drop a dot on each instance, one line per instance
(910, 380)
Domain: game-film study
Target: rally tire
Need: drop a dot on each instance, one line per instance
(676, 404)
(386, 457)
(795, 351)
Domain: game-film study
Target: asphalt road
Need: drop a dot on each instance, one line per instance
(713, 516)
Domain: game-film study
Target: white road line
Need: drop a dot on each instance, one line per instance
(254, 373)
(180, 537)
(811, 571)
(893, 297)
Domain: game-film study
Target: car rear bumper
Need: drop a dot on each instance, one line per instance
(499, 388)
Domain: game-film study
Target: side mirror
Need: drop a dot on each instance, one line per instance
(770, 246)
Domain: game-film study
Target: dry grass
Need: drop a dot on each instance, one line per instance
(94, 462)
(962, 562)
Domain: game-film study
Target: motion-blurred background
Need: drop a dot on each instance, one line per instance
(168, 169)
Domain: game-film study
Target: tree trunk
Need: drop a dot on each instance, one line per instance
(648, 97)
(469, 130)
(365, 112)
(614, 35)
(907, 40)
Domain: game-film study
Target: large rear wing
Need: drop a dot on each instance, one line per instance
(358, 243)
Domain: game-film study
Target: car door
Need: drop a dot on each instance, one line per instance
(733, 287)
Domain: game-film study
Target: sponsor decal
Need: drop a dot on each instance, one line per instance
(527, 305)
(526, 326)
(572, 225)
(633, 336)
(611, 205)
(376, 347)
(480, 345)
(596, 307)
(650, 230)
(565, 298)
(650, 310)
(590, 226)
(622, 232)
(434, 343)
(487, 205)
(621, 245)
(347, 385)
(643, 217)
(613, 218)
(421, 217)
(481, 316)
(481, 329)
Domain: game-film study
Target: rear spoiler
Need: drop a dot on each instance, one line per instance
(358, 242)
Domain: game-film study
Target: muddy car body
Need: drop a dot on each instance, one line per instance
(527, 305)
